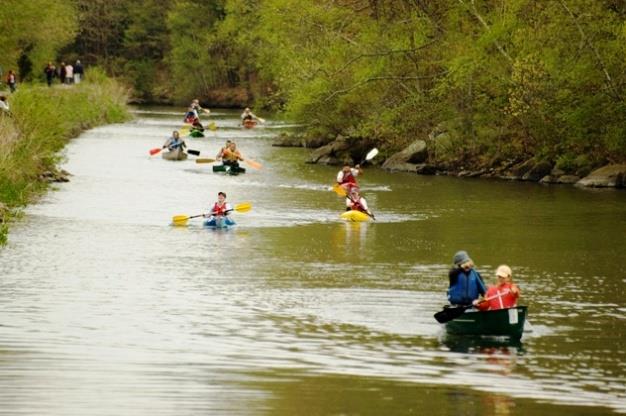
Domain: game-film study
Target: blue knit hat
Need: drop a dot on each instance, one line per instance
(460, 257)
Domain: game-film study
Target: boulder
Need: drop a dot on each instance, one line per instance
(333, 151)
(519, 170)
(610, 176)
(286, 140)
(425, 169)
(537, 172)
(401, 167)
(413, 154)
(568, 179)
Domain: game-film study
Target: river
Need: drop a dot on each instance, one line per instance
(107, 309)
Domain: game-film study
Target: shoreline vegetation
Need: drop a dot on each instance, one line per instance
(42, 120)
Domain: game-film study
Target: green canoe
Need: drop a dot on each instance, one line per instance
(196, 133)
(501, 322)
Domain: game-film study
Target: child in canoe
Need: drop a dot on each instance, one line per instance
(503, 294)
(218, 217)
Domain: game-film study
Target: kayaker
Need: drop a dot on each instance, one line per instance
(231, 156)
(220, 154)
(196, 126)
(466, 284)
(346, 178)
(248, 115)
(221, 208)
(174, 142)
(195, 104)
(354, 201)
(503, 295)
(191, 115)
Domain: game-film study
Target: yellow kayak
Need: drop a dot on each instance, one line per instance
(354, 215)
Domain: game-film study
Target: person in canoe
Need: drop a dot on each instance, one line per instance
(220, 154)
(197, 129)
(249, 117)
(503, 294)
(195, 105)
(191, 115)
(346, 178)
(466, 284)
(231, 156)
(174, 142)
(354, 201)
(219, 212)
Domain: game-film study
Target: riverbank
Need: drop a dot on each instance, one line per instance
(424, 157)
(41, 122)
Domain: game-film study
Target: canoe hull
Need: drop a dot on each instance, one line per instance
(177, 154)
(249, 124)
(230, 170)
(502, 322)
(355, 216)
(196, 133)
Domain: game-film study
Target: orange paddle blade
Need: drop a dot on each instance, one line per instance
(253, 164)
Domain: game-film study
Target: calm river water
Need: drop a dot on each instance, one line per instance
(109, 310)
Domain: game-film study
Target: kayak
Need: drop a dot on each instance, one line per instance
(354, 215)
(229, 170)
(196, 133)
(219, 222)
(501, 322)
(249, 123)
(176, 154)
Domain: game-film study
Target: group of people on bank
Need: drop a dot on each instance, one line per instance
(466, 286)
(66, 73)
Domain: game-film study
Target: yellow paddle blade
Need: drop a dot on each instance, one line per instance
(339, 190)
(205, 160)
(180, 219)
(212, 126)
(243, 207)
(253, 164)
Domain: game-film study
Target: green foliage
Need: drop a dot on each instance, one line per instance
(34, 31)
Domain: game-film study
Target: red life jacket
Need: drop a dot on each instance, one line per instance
(503, 298)
(348, 178)
(356, 205)
(217, 210)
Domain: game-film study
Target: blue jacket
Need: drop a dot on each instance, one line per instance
(465, 286)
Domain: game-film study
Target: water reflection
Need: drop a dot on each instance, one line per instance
(350, 238)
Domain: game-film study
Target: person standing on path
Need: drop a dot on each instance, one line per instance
(50, 72)
(62, 73)
(12, 80)
(69, 74)
(78, 72)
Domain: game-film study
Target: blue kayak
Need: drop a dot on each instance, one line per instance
(219, 222)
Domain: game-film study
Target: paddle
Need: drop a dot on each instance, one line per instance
(340, 190)
(193, 152)
(182, 219)
(155, 151)
(448, 314)
(212, 126)
(205, 160)
(253, 164)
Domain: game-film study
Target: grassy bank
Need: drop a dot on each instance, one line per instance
(42, 121)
